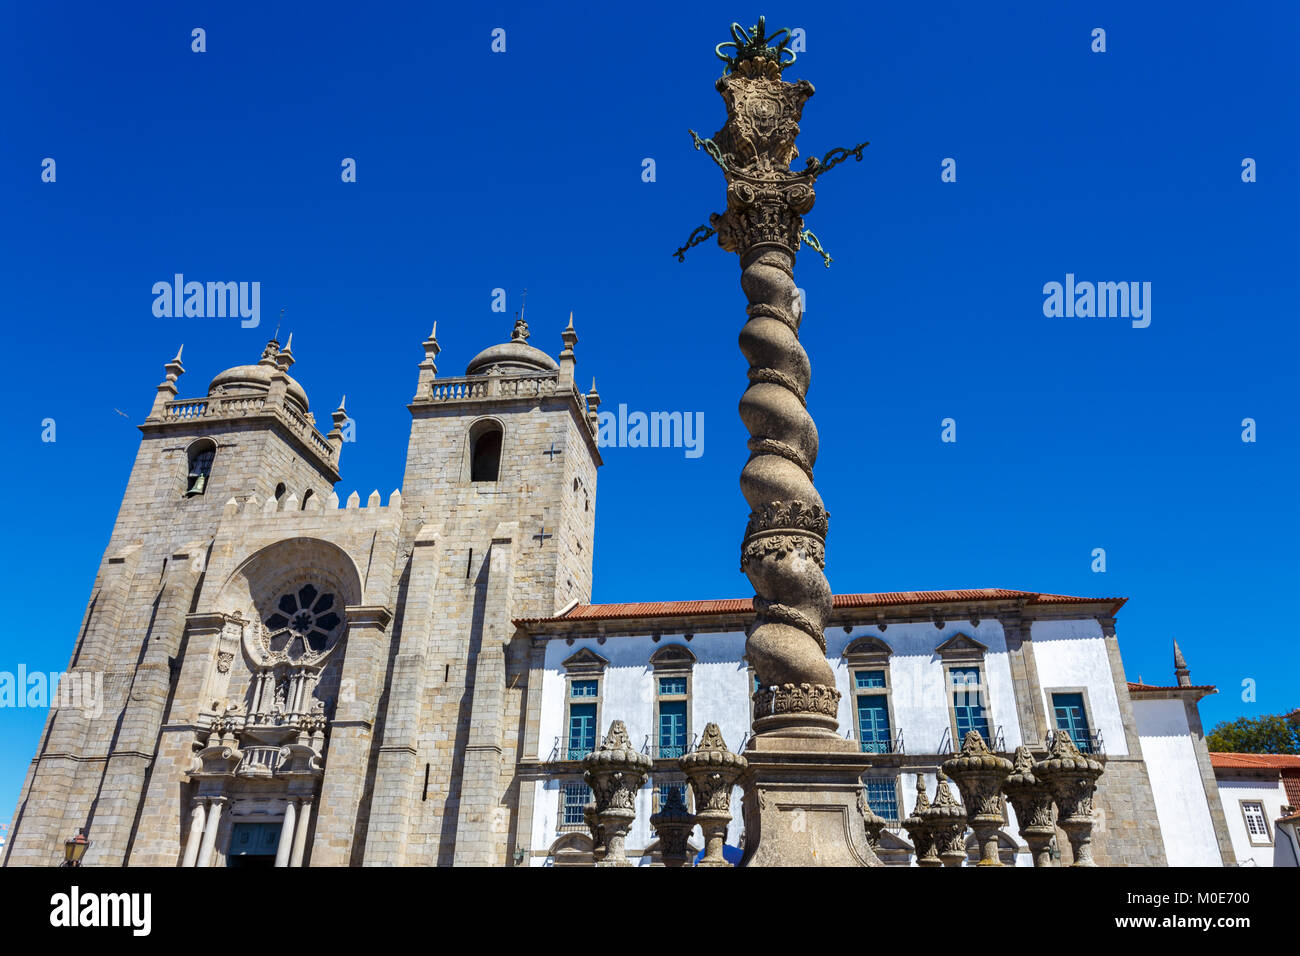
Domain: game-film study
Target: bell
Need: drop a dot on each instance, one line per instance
(198, 483)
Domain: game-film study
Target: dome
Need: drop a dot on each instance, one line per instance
(513, 356)
(256, 379)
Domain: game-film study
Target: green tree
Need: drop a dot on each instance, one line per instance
(1272, 734)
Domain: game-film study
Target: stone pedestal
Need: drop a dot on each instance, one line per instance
(802, 804)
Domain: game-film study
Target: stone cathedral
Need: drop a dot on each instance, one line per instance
(294, 679)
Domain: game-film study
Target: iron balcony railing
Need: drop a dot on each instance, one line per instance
(998, 744)
(1090, 743)
(883, 747)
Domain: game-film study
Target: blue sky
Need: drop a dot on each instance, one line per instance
(478, 170)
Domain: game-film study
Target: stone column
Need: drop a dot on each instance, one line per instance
(801, 792)
(300, 837)
(615, 772)
(215, 805)
(1072, 778)
(197, 816)
(712, 770)
(978, 773)
(874, 822)
(285, 846)
(592, 819)
(1032, 801)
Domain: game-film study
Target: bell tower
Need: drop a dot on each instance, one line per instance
(252, 437)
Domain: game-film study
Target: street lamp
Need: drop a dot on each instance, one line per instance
(75, 848)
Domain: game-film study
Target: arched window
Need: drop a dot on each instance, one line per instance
(279, 491)
(306, 494)
(200, 454)
(485, 451)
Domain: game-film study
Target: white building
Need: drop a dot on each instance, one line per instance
(916, 671)
(1261, 797)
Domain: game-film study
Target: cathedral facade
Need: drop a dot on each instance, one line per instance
(293, 680)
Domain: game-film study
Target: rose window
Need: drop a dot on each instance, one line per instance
(303, 624)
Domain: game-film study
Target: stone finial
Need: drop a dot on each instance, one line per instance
(270, 353)
(1181, 670)
(520, 332)
(428, 367)
(593, 408)
(673, 825)
(340, 418)
(167, 388)
(713, 770)
(1032, 801)
(284, 360)
(615, 772)
(979, 773)
(920, 830)
(567, 357)
(947, 819)
(875, 824)
(1072, 778)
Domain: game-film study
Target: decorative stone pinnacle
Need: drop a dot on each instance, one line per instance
(1072, 778)
(712, 771)
(673, 825)
(615, 772)
(1181, 670)
(1032, 800)
(520, 333)
(174, 368)
(979, 774)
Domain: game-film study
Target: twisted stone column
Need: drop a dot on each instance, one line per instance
(783, 551)
(1032, 801)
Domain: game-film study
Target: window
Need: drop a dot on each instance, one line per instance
(306, 495)
(882, 797)
(873, 712)
(581, 705)
(574, 796)
(279, 491)
(201, 454)
(672, 686)
(485, 452)
(1256, 823)
(672, 729)
(672, 682)
(582, 730)
(968, 704)
(1072, 717)
(867, 658)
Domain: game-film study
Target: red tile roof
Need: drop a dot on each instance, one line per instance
(606, 612)
(1134, 686)
(1229, 761)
